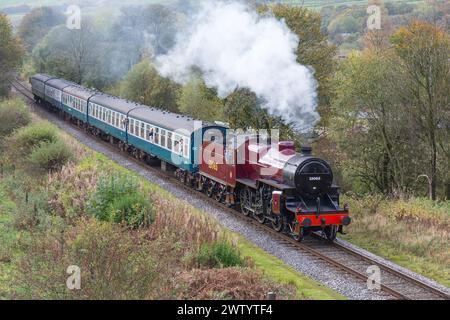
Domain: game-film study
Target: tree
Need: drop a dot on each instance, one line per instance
(378, 39)
(11, 52)
(369, 124)
(143, 84)
(314, 49)
(36, 24)
(160, 25)
(70, 54)
(199, 101)
(424, 57)
(243, 111)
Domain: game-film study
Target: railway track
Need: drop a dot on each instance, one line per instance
(394, 284)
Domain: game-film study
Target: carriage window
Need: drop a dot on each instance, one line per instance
(176, 145)
(136, 128)
(142, 130)
(163, 138)
(186, 148)
(131, 126)
(169, 140)
(148, 133)
(156, 139)
(122, 122)
(109, 116)
(113, 122)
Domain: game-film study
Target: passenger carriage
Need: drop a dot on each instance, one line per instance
(53, 91)
(75, 101)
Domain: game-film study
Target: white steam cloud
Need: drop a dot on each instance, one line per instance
(236, 48)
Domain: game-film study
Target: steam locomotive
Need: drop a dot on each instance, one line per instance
(264, 179)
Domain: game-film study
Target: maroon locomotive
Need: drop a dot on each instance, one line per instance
(292, 191)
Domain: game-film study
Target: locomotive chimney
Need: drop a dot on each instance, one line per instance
(306, 151)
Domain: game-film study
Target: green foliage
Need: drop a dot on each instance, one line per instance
(69, 54)
(314, 49)
(219, 254)
(136, 210)
(36, 24)
(50, 156)
(345, 23)
(13, 115)
(11, 53)
(114, 264)
(199, 101)
(118, 199)
(143, 84)
(27, 138)
(240, 108)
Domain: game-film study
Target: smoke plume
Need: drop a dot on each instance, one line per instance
(234, 47)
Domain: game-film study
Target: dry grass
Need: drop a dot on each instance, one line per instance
(180, 220)
(69, 190)
(413, 232)
(229, 283)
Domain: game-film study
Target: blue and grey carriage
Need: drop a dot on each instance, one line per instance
(171, 137)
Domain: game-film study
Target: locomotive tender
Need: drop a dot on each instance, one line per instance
(265, 179)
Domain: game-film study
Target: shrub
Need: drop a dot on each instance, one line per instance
(134, 209)
(13, 115)
(114, 264)
(26, 139)
(118, 199)
(50, 156)
(219, 254)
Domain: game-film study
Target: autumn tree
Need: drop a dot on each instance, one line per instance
(314, 49)
(11, 53)
(378, 39)
(70, 54)
(199, 101)
(424, 58)
(143, 84)
(370, 126)
(36, 24)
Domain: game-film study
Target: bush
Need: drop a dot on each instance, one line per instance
(50, 156)
(118, 199)
(219, 254)
(13, 115)
(134, 209)
(114, 264)
(32, 136)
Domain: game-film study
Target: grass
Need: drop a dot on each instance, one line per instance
(413, 233)
(271, 266)
(190, 224)
(8, 237)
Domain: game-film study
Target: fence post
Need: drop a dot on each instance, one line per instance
(271, 296)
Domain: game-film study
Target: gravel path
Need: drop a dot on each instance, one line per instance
(315, 269)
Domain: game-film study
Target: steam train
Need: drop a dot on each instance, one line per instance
(264, 179)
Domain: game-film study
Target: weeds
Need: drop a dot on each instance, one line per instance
(117, 198)
(14, 114)
(412, 232)
(220, 254)
(50, 156)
